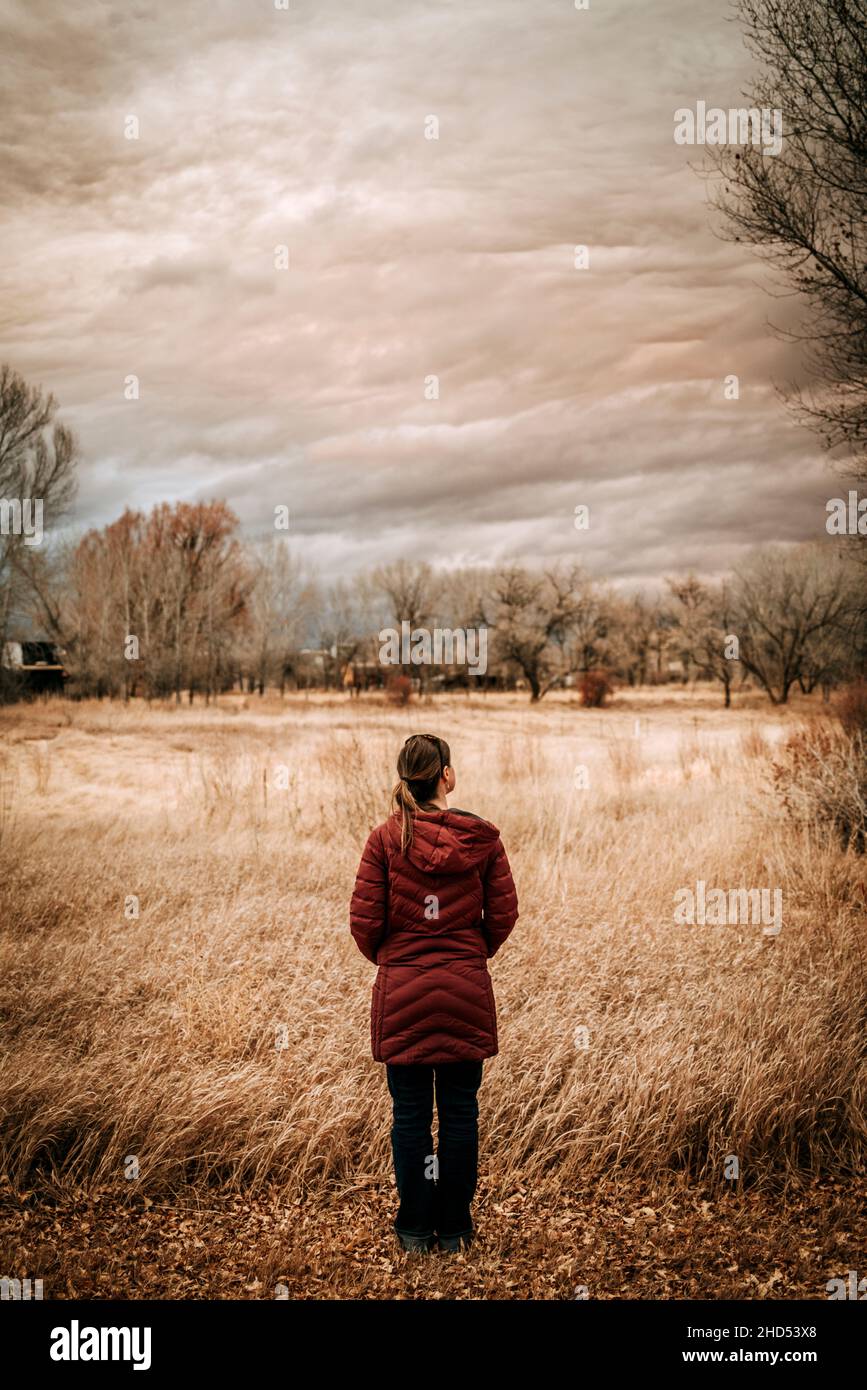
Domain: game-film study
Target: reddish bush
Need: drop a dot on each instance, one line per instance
(595, 687)
(398, 689)
(852, 707)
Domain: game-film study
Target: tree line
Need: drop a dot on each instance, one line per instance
(175, 604)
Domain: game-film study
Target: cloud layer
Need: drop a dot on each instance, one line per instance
(409, 258)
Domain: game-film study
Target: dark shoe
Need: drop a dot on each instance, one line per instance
(420, 1244)
(453, 1244)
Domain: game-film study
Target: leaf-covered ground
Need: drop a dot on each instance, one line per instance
(619, 1240)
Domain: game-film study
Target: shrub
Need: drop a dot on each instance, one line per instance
(852, 707)
(595, 688)
(822, 781)
(398, 689)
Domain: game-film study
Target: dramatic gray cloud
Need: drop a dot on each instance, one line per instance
(408, 258)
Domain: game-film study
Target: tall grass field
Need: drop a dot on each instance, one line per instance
(189, 1104)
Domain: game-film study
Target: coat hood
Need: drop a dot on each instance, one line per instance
(446, 842)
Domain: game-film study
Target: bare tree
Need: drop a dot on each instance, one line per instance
(549, 625)
(835, 652)
(640, 637)
(37, 466)
(784, 603)
(344, 622)
(705, 620)
(411, 590)
(280, 604)
(806, 207)
(464, 603)
(156, 603)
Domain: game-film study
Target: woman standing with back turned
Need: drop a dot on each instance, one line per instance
(433, 901)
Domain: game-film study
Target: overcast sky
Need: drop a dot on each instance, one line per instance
(408, 258)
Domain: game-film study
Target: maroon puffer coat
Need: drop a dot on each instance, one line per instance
(430, 919)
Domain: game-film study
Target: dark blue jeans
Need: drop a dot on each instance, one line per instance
(435, 1193)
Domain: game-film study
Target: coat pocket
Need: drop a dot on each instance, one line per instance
(377, 1010)
(375, 1016)
(491, 1001)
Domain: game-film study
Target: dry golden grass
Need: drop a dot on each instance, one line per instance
(238, 828)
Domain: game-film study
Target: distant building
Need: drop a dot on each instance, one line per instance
(36, 667)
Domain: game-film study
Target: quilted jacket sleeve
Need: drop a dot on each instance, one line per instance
(369, 905)
(501, 900)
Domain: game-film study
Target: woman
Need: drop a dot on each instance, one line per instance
(433, 901)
